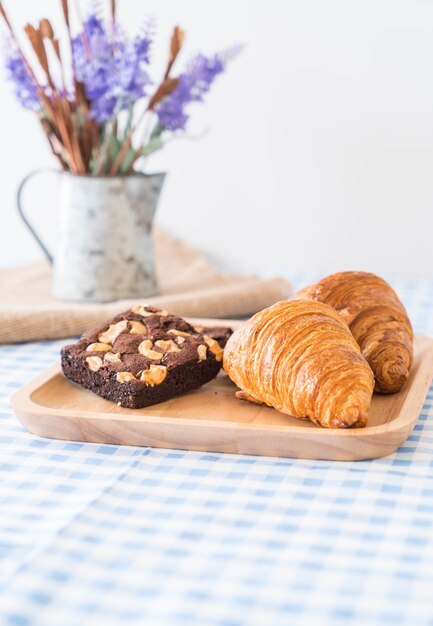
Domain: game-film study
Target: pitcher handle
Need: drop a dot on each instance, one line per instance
(19, 200)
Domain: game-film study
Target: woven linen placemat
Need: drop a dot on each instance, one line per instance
(189, 286)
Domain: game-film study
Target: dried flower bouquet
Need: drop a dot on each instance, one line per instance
(95, 99)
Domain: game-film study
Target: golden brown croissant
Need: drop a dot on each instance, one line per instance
(377, 319)
(301, 358)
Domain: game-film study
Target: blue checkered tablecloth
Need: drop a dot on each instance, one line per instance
(98, 534)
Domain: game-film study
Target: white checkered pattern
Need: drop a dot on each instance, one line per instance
(98, 534)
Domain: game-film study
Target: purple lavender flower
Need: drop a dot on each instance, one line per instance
(112, 68)
(141, 45)
(93, 25)
(25, 87)
(194, 83)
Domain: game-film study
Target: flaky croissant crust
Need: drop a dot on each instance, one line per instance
(300, 358)
(377, 320)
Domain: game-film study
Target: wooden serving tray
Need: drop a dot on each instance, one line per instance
(211, 418)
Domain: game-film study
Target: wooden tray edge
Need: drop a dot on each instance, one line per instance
(388, 437)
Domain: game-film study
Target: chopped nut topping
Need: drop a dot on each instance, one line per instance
(113, 331)
(98, 347)
(199, 329)
(214, 347)
(179, 340)
(178, 333)
(202, 352)
(137, 328)
(155, 375)
(94, 363)
(145, 348)
(167, 346)
(142, 310)
(145, 345)
(112, 358)
(124, 377)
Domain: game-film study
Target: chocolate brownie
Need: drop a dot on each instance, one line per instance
(219, 333)
(144, 356)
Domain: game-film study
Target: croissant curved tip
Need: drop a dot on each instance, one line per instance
(350, 417)
(391, 379)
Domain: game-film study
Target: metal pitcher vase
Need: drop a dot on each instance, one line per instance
(104, 248)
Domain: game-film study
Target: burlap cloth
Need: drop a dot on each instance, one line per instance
(189, 286)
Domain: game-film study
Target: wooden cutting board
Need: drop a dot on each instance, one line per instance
(211, 418)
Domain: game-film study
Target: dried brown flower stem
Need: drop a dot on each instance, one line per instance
(6, 19)
(44, 100)
(89, 138)
(55, 144)
(164, 89)
(176, 43)
(89, 135)
(60, 105)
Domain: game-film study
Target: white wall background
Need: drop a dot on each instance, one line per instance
(320, 150)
